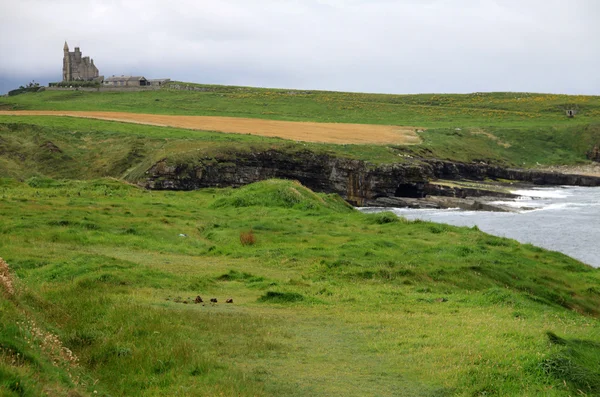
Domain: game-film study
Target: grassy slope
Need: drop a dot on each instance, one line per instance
(529, 129)
(92, 148)
(328, 301)
(426, 110)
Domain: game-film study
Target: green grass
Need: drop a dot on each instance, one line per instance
(424, 110)
(328, 301)
(508, 129)
(85, 149)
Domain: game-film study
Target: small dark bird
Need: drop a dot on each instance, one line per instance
(230, 300)
(213, 300)
(198, 299)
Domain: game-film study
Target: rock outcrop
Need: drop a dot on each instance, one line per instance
(359, 182)
(354, 180)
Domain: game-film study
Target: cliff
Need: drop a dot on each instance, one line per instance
(359, 182)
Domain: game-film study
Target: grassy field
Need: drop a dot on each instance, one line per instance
(509, 129)
(98, 285)
(480, 110)
(61, 147)
(327, 301)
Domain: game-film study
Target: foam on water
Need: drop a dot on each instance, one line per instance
(518, 204)
(543, 193)
(556, 206)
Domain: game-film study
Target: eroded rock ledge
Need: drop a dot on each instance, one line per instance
(359, 182)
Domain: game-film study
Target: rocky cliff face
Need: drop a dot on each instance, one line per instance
(480, 171)
(359, 182)
(354, 180)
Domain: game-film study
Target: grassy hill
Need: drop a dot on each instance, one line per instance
(424, 110)
(511, 129)
(327, 301)
(98, 285)
(82, 149)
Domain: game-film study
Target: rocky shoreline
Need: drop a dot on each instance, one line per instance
(421, 183)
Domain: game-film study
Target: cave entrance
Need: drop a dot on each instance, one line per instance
(411, 190)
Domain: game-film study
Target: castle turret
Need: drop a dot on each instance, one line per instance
(66, 63)
(77, 67)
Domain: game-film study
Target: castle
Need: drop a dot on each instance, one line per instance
(78, 68)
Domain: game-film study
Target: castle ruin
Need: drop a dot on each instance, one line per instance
(78, 68)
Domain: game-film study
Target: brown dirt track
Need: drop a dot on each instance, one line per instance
(298, 131)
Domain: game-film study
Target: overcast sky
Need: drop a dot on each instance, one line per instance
(394, 46)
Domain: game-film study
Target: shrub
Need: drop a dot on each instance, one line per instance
(235, 275)
(281, 297)
(43, 182)
(247, 238)
(385, 217)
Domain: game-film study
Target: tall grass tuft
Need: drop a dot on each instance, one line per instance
(576, 363)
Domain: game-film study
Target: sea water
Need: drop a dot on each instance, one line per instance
(564, 219)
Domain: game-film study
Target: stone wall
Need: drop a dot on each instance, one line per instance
(105, 89)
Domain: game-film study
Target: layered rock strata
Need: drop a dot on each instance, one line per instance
(359, 182)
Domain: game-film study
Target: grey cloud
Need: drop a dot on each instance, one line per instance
(399, 46)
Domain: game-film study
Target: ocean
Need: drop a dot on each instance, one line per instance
(564, 219)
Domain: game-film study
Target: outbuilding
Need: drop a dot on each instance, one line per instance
(126, 81)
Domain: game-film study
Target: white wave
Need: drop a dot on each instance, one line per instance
(543, 193)
(519, 204)
(555, 206)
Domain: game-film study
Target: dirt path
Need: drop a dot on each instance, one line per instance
(298, 131)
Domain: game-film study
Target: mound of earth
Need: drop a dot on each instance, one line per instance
(283, 194)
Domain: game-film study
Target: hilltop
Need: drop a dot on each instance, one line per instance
(424, 110)
(518, 129)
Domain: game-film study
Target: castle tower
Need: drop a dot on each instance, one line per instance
(66, 63)
(77, 67)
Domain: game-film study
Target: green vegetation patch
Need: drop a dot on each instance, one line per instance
(575, 362)
(281, 297)
(421, 110)
(509, 129)
(113, 273)
(282, 194)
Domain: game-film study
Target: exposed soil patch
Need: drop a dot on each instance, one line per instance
(491, 136)
(299, 131)
(6, 278)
